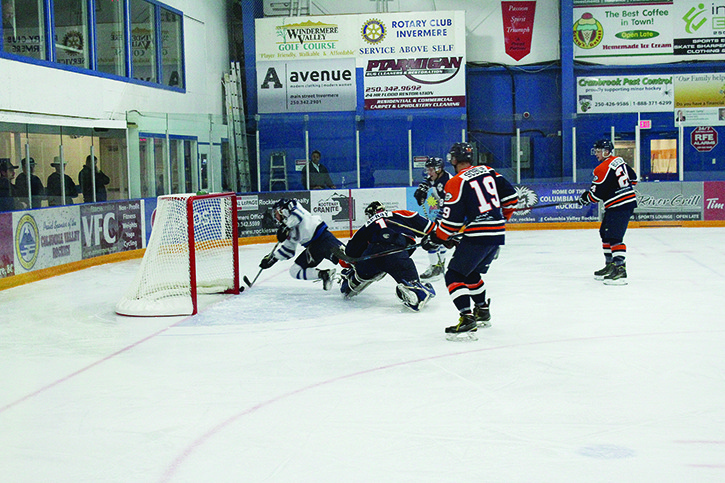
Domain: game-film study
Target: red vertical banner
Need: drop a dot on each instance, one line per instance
(518, 26)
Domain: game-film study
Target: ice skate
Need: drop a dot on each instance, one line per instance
(434, 272)
(601, 273)
(482, 314)
(414, 295)
(351, 285)
(327, 277)
(465, 330)
(618, 276)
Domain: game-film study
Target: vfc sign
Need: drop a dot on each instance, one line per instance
(703, 138)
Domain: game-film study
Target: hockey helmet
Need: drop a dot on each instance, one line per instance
(373, 208)
(435, 163)
(604, 145)
(281, 209)
(460, 152)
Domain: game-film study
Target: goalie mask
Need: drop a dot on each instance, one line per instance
(374, 208)
(281, 210)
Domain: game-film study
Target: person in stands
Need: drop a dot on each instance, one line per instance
(319, 175)
(85, 180)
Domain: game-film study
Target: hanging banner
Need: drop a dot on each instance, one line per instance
(408, 60)
(629, 93)
(303, 86)
(645, 32)
(413, 60)
(518, 27)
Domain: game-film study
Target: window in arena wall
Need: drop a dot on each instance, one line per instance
(663, 158)
(71, 32)
(172, 66)
(143, 41)
(24, 28)
(110, 37)
(625, 149)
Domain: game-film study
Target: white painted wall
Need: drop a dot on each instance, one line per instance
(28, 88)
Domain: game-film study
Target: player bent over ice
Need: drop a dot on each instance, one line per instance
(478, 201)
(297, 226)
(386, 231)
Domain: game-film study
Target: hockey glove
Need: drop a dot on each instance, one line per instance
(451, 243)
(421, 193)
(282, 234)
(267, 261)
(508, 213)
(430, 242)
(584, 199)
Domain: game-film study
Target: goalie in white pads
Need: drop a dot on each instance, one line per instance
(387, 231)
(299, 227)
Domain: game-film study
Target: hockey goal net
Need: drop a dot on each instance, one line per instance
(193, 249)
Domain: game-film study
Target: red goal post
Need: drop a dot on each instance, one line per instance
(193, 249)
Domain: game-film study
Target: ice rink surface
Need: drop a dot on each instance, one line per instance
(574, 382)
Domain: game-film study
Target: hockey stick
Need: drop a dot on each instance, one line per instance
(390, 252)
(246, 280)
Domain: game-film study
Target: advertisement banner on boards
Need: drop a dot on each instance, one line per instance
(563, 195)
(46, 238)
(669, 201)
(111, 227)
(714, 193)
(254, 211)
(7, 259)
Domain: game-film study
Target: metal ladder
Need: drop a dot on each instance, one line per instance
(278, 170)
(237, 129)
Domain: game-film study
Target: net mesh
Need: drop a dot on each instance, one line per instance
(165, 282)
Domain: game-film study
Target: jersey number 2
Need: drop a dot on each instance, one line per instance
(622, 176)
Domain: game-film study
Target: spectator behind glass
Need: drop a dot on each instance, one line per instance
(55, 194)
(8, 14)
(86, 182)
(36, 186)
(7, 190)
(319, 175)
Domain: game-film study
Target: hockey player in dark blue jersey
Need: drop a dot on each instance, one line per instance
(297, 226)
(613, 185)
(384, 231)
(436, 178)
(478, 201)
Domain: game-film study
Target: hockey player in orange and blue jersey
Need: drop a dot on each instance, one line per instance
(385, 231)
(478, 201)
(613, 185)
